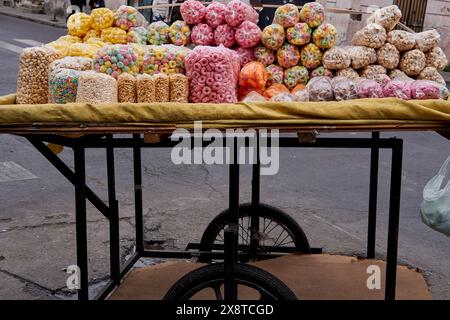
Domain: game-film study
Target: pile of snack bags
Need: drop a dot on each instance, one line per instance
(218, 54)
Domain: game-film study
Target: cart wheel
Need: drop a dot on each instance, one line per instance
(277, 231)
(210, 278)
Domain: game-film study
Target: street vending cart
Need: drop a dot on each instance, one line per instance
(136, 126)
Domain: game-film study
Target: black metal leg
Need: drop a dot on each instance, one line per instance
(137, 165)
(114, 246)
(254, 220)
(232, 232)
(81, 223)
(394, 217)
(373, 196)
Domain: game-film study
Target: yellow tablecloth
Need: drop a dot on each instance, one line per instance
(269, 114)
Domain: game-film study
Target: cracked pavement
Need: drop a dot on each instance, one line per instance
(325, 190)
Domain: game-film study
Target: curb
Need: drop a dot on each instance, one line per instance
(37, 20)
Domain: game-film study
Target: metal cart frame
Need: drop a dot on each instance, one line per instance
(136, 142)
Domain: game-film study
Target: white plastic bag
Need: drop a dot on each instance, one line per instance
(435, 207)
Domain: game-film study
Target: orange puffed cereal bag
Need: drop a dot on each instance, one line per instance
(253, 75)
(275, 89)
(298, 87)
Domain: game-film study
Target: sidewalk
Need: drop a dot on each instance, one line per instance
(35, 17)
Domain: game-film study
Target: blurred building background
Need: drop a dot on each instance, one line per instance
(418, 15)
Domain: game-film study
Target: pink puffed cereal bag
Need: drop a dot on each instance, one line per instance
(215, 14)
(370, 89)
(398, 89)
(248, 34)
(425, 89)
(202, 35)
(238, 12)
(246, 55)
(192, 11)
(213, 74)
(224, 35)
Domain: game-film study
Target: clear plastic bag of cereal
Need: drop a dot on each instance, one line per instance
(361, 56)
(344, 88)
(370, 89)
(283, 97)
(116, 59)
(102, 18)
(432, 74)
(238, 12)
(388, 17)
(287, 15)
(92, 34)
(158, 33)
(320, 89)
(295, 75)
(388, 56)
(426, 89)
(179, 33)
(275, 74)
(254, 96)
(427, 40)
(126, 88)
(311, 56)
(137, 35)
(127, 17)
(62, 85)
(215, 14)
(322, 72)
(299, 34)
(313, 13)
(246, 55)
(79, 24)
(412, 62)
(264, 55)
(336, 59)
(193, 12)
(273, 36)
(402, 40)
(398, 89)
(288, 56)
(224, 35)
(325, 36)
(348, 73)
(253, 75)
(248, 34)
(114, 35)
(274, 90)
(202, 35)
(372, 36)
(436, 58)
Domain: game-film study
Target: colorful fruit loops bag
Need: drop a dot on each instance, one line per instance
(215, 14)
(202, 35)
(248, 34)
(158, 33)
(273, 36)
(295, 75)
(115, 59)
(313, 13)
(213, 74)
(238, 12)
(275, 74)
(299, 34)
(62, 85)
(288, 56)
(287, 15)
(192, 11)
(311, 56)
(321, 72)
(246, 55)
(166, 59)
(127, 17)
(179, 33)
(137, 35)
(325, 36)
(264, 55)
(224, 35)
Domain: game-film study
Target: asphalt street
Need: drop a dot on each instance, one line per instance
(325, 190)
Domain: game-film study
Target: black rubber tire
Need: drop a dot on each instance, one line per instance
(213, 275)
(264, 211)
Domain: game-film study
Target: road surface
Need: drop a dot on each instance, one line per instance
(326, 191)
